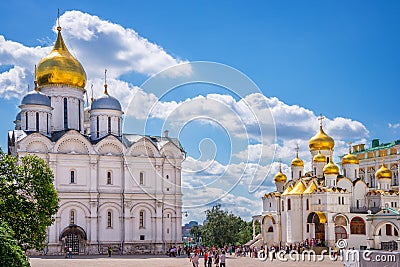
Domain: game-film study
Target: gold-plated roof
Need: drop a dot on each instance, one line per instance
(383, 173)
(298, 189)
(331, 168)
(60, 67)
(287, 190)
(350, 158)
(311, 188)
(321, 216)
(319, 157)
(280, 176)
(321, 141)
(296, 162)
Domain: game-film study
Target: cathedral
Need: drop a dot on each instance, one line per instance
(358, 204)
(116, 189)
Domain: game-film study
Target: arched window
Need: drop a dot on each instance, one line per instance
(396, 233)
(109, 219)
(72, 217)
(388, 229)
(141, 178)
(167, 176)
(72, 177)
(270, 229)
(37, 121)
(26, 121)
(288, 204)
(109, 125)
(97, 126)
(307, 204)
(357, 226)
(65, 114)
(109, 178)
(141, 219)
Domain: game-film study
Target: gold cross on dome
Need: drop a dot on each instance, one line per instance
(320, 118)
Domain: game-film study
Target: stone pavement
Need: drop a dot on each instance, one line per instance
(162, 261)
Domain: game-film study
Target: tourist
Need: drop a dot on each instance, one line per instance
(210, 257)
(205, 258)
(216, 258)
(195, 260)
(69, 252)
(109, 251)
(223, 259)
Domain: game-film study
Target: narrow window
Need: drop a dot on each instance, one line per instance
(327, 160)
(308, 228)
(119, 126)
(72, 177)
(97, 126)
(292, 175)
(339, 201)
(47, 123)
(109, 125)
(79, 114)
(167, 230)
(65, 114)
(26, 121)
(141, 219)
(315, 171)
(307, 204)
(37, 121)
(72, 217)
(319, 201)
(108, 177)
(141, 178)
(388, 229)
(270, 204)
(289, 206)
(109, 219)
(342, 200)
(355, 173)
(283, 205)
(141, 237)
(167, 176)
(358, 204)
(344, 172)
(299, 173)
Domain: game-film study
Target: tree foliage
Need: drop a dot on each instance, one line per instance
(10, 253)
(195, 231)
(28, 199)
(224, 228)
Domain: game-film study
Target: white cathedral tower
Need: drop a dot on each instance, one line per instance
(116, 189)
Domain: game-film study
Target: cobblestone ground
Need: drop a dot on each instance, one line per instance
(162, 261)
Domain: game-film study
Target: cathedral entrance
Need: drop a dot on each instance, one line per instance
(340, 233)
(74, 237)
(318, 219)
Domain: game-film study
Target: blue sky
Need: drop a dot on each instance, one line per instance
(338, 58)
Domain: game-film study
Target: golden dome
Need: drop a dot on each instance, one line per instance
(350, 159)
(383, 173)
(319, 157)
(60, 67)
(280, 176)
(298, 189)
(321, 141)
(296, 162)
(331, 167)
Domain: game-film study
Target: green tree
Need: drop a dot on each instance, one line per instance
(10, 253)
(28, 199)
(245, 233)
(195, 231)
(222, 228)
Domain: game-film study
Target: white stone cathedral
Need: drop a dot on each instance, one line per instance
(116, 189)
(360, 205)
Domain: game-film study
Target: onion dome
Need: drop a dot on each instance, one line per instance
(383, 173)
(60, 67)
(331, 168)
(106, 102)
(18, 117)
(350, 159)
(296, 162)
(36, 98)
(321, 141)
(319, 157)
(280, 176)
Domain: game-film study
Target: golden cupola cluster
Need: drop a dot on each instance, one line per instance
(60, 67)
(297, 162)
(319, 157)
(280, 176)
(383, 173)
(331, 168)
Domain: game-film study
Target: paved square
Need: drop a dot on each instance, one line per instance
(160, 261)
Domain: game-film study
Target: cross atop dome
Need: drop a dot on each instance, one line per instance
(105, 82)
(320, 118)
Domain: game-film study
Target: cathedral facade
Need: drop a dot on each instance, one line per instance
(358, 204)
(116, 189)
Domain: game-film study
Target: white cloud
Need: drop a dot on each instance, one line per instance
(393, 126)
(97, 44)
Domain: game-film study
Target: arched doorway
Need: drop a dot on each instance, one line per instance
(73, 236)
(318, 219)
(340, 233)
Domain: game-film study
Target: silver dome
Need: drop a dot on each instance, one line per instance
(36, 98)
(106, 102)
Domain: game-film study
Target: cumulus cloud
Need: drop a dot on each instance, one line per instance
(97, 44)
(394, 125)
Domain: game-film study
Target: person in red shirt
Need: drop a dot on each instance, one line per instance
(205, 258)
